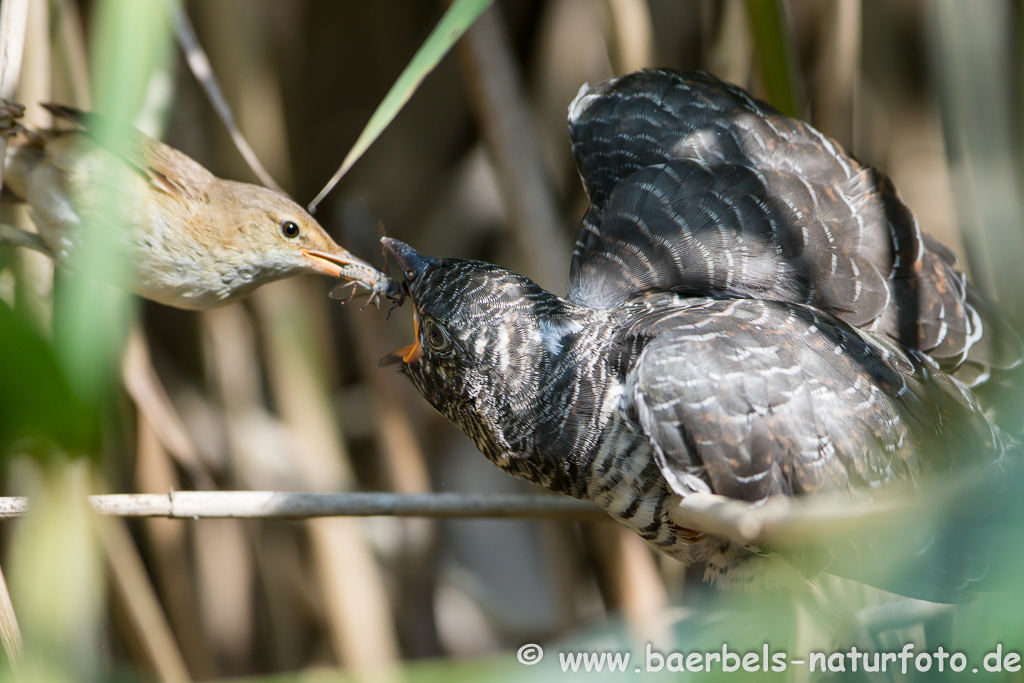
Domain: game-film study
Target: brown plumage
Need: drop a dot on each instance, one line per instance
(193, 240)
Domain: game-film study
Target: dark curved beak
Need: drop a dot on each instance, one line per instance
(412, 263)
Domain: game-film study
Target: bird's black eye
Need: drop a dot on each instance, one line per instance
(290, 229)
(436, 336)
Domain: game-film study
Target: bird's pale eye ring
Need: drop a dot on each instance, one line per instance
(290, 229)
(436, 337)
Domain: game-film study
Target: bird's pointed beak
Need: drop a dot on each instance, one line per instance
(413, 266)
(340, 264)
(412, 263)
(407, 354)
(344, 265)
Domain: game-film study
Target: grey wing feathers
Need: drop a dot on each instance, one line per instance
(756, 398)
(747, 202)
(649, 117)
(720, 230)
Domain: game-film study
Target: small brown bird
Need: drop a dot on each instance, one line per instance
(193, 240)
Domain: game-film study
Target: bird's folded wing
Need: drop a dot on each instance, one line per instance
(748, 399)
(758, 398)
(166, 168)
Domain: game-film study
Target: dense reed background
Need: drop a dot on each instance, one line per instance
(283, 392)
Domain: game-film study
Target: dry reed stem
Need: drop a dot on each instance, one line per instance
(496, 93)
(631, 36)
(147, 391)
(10, 632)
(780, 521)
(287, 505)
(135, 595)
(199, 63)
(167, 543)
(837, 73)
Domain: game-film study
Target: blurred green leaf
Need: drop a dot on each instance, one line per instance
(776, 57)
(132, 40)
(129, 50)
(57, 576)
(36, 398)
(455, 22)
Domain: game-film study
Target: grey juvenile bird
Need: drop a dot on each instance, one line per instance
(750, 312)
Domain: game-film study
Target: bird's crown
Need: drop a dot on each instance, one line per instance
(472, 307)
